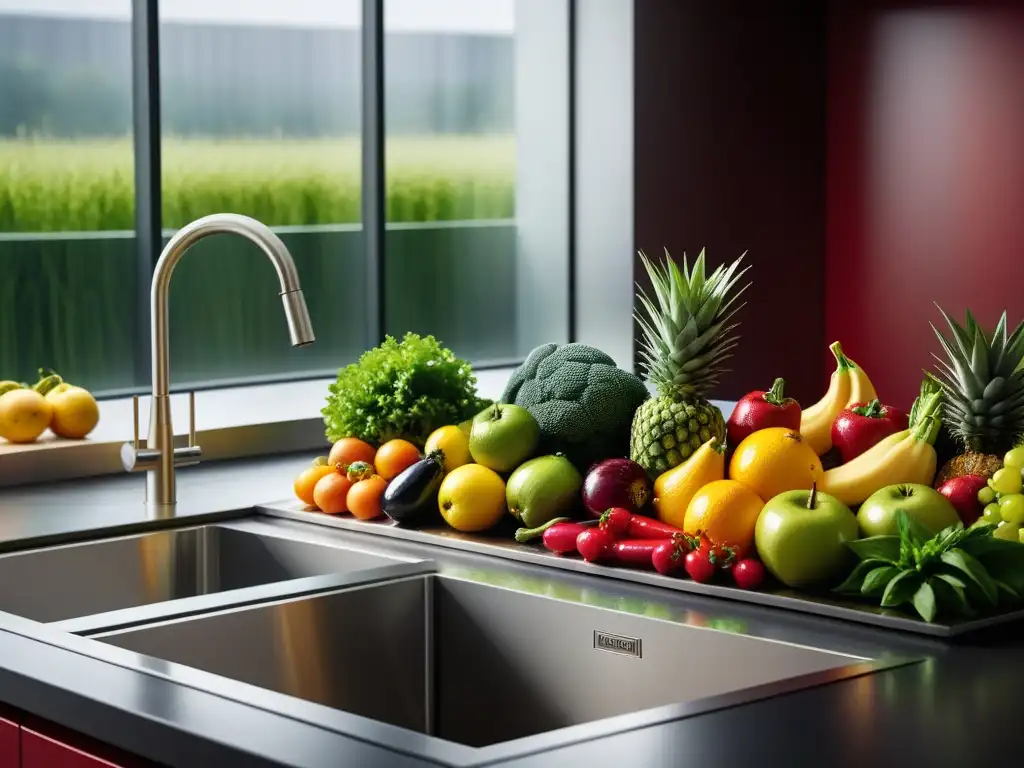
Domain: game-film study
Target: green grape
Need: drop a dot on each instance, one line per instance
(1007, 480)
(986, 495)
(1008, 531)
(992, 515)
(1015, 458)
(1011, 507)
(1020, 535)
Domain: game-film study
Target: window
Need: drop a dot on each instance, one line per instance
(67, 265)
(260, 113)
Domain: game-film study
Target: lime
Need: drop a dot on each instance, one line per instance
(472, 498)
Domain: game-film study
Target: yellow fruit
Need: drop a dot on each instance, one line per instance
(849, 384)
(673, 490)
(75, 412)
(453, 442)
(775, 460)
(725, 512)
(472, 498)
(24, 415)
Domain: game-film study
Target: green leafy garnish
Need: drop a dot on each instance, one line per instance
(403, 389)
(955, 572)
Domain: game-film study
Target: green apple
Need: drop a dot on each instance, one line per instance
(503, 437)
(542, 489)
(801, 537)
(877, 515)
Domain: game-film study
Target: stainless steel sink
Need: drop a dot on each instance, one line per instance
(96, 577)
(469, 663)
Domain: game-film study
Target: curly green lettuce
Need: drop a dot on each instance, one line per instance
(401, 389)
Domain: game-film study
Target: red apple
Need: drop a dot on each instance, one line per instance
(962, 493)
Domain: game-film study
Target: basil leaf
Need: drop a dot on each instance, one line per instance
(878, 579)
(952, 596)
(924, 602)
(952, 580)
(885, 548)
(911, 530)
(852, 584)
(1004, 563)
(975, 571)
(983, 546)
(901, 588)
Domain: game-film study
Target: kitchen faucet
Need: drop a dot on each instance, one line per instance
(159, 458)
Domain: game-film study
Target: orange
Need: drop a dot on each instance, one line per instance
(306, 482)
(776, 460)
(394, 457)
(725, 512)
(331, 493)
(349, 450)
(364, 497)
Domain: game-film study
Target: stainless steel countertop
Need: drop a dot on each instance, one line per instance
(957, 708)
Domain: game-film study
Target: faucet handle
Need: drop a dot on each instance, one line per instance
(190, 456)
(135, 421)
(191, 419)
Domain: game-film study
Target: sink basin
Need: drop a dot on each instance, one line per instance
(85, 579)
(466, 662)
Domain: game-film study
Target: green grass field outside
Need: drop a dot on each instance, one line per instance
(81, 186)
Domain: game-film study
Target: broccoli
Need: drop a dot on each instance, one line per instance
(582, 401)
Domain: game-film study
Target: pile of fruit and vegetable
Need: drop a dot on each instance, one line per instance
(845, 497)
(28, 410)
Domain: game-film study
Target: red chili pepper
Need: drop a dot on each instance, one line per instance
(760, 410)
(641, 527)
(593, 544)
(561, 537)
(616, 521)
(863, 425)
(664, 555)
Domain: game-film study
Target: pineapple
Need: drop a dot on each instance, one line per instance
(687, 334)
(983, 382)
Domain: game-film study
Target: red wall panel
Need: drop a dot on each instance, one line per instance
(925, 200)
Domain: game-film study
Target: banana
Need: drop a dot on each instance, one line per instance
(816, 421)
(8, 386)
(906, 457)
(849, 384)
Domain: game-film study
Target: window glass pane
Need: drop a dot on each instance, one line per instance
(476, 100)
(261, 116)
(67, 249)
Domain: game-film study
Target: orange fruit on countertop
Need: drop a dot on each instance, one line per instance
(349, 450)
(364, 497)
(331, 493)
(775, 460)
(725, 512)
(394, 457)
(307, 480)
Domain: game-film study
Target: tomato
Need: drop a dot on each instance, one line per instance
(748, 573)
(699, 565)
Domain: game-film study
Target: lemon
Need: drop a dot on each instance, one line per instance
(472, 498)
(75, 412)
(24, 415)
(453, 442)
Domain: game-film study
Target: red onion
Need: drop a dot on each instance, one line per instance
(616, 483)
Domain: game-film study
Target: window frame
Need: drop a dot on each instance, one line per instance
(600, 167)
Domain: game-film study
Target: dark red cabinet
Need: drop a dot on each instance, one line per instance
(39, 751)
(10, 744)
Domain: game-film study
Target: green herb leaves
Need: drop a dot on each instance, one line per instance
(956, 572)
(401, 389)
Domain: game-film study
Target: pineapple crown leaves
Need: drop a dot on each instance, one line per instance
(983, 379)
(688, 329)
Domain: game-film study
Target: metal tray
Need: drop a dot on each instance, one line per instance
(504, 546)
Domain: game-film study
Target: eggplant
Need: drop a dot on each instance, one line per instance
(411, 498)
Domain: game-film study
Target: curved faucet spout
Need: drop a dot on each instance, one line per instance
(160, 457)
(300, 328)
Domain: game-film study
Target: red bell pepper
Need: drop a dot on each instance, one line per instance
(760, 410)
(863, 425)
